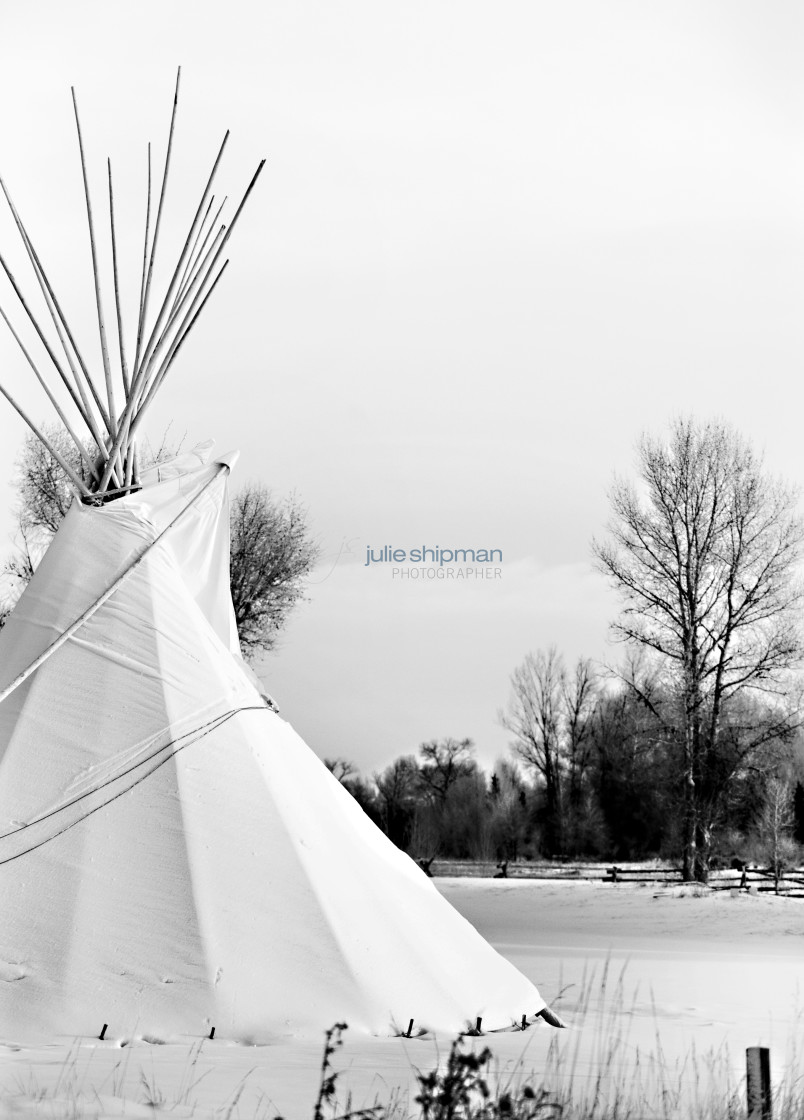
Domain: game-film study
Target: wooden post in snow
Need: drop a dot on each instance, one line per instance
(758, 1084)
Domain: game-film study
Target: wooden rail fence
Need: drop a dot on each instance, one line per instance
(739, 877)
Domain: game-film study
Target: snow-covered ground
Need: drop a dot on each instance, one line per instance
(663, 988)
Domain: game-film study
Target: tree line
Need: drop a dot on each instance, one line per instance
(615, 791)
(690, 747)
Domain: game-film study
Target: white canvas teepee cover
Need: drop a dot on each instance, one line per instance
(172, 856)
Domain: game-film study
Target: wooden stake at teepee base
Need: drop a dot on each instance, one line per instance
(159, 337)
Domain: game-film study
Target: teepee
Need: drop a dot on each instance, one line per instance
(173, 858)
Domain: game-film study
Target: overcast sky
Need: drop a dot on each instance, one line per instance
(494, 242)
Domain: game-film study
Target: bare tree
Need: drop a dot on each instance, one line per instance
(446, 810)
(534, 718)
(44, 496)
(443, 763)
(362, 791)
(341, 768)
(397, 787)
(703, 558)
(464, 825)
(271, 556)
(507, 823)
(776, 822)
(579, 698)
(629, 774)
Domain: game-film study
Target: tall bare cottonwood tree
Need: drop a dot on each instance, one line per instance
(548, 715)
(533, 717)
(703, 556)
(580, 693)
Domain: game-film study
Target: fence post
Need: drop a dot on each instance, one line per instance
(758, 1086)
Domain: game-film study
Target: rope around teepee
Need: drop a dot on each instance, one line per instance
(54, 819)
(57, 643)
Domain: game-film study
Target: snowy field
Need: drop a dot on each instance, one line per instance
(663, 988)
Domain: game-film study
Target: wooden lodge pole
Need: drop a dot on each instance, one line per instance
(62, 328)
(107, 368)
(151, 254)
(118, 311)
